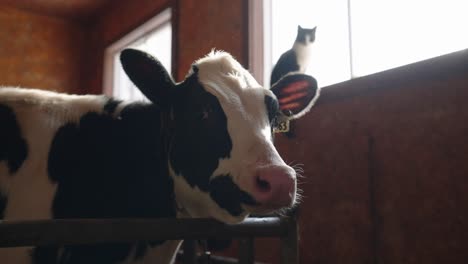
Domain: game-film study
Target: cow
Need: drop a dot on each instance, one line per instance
(199, 148)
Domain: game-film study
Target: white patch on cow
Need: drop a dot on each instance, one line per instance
(39, 115)
(243, 101)
(248, 123)
(30, 192)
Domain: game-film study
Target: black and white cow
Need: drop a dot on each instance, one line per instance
(201, 148)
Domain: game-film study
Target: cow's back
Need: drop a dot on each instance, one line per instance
(29, 119)
(83, 157)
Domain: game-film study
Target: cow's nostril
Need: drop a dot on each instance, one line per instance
(263, 185)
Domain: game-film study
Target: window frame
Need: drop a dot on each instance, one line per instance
(261, 51)
(144, 29)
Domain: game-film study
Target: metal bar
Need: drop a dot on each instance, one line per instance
(289, 244)
(246, 251)
(190, 252)
(89, 231)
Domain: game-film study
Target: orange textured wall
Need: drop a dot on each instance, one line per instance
(385, 159)
(198, 27)
(384, 155)
(208, 24)
(39, 52)
(118, 19)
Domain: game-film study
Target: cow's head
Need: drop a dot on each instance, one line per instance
(221, 153)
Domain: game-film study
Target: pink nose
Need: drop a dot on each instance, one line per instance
(275, 186)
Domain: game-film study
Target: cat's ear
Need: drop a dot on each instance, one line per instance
(148, 75)
(299, 28)
(296, 94)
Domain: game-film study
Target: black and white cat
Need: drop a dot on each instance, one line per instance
(296, 59)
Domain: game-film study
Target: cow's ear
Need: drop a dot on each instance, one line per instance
(148, 74)
(296, 94)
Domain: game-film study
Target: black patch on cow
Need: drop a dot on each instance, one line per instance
(111, 106)
(273, 111)
(201, 136)
(3, 204)
(272, 107)
(81, 254)
(108, 167)
(44, 254)
(228, 195)
(195, 68)
(13, 148)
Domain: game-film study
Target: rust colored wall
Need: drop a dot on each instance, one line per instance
(39, 51)
(208, 24)
(384, 155)
(198, 27)
(113, 23)
(386, 167)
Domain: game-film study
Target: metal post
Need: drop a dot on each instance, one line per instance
(289, 244)
(190, 252)
(246, 251)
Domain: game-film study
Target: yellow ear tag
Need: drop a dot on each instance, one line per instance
(282, 127)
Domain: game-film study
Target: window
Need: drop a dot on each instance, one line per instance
(154, 37)
(359, 37)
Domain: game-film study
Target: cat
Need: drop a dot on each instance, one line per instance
(296, 59)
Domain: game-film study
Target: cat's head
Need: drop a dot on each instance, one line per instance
(305, 35)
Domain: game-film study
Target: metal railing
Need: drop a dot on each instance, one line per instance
(95, 231)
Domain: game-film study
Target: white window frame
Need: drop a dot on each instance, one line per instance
(261, 52)
(138, 33)
(260, 39)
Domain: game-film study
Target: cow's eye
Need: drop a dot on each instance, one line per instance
(204, 113)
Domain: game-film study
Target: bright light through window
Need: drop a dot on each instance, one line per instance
(360, 37)
(153, 37)
(158, 44)
(330, 53)
(391, 33)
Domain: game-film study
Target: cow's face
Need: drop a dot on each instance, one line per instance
(221, 153)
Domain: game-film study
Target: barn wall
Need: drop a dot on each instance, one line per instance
(383, 154)
(208, 24)
(385, 159)
(113, 23)
(39, 51)
(198, 27)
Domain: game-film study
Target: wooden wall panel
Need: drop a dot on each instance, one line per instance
(198, 27)
(384, 155)
(80, 10)
(39, 51)
(117, 20)
(385, 160)
(205, 25)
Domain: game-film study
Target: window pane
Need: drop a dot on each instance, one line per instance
(391, 33)
(330, 54)
(157, 43)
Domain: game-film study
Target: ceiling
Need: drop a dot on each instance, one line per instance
(72, 9)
